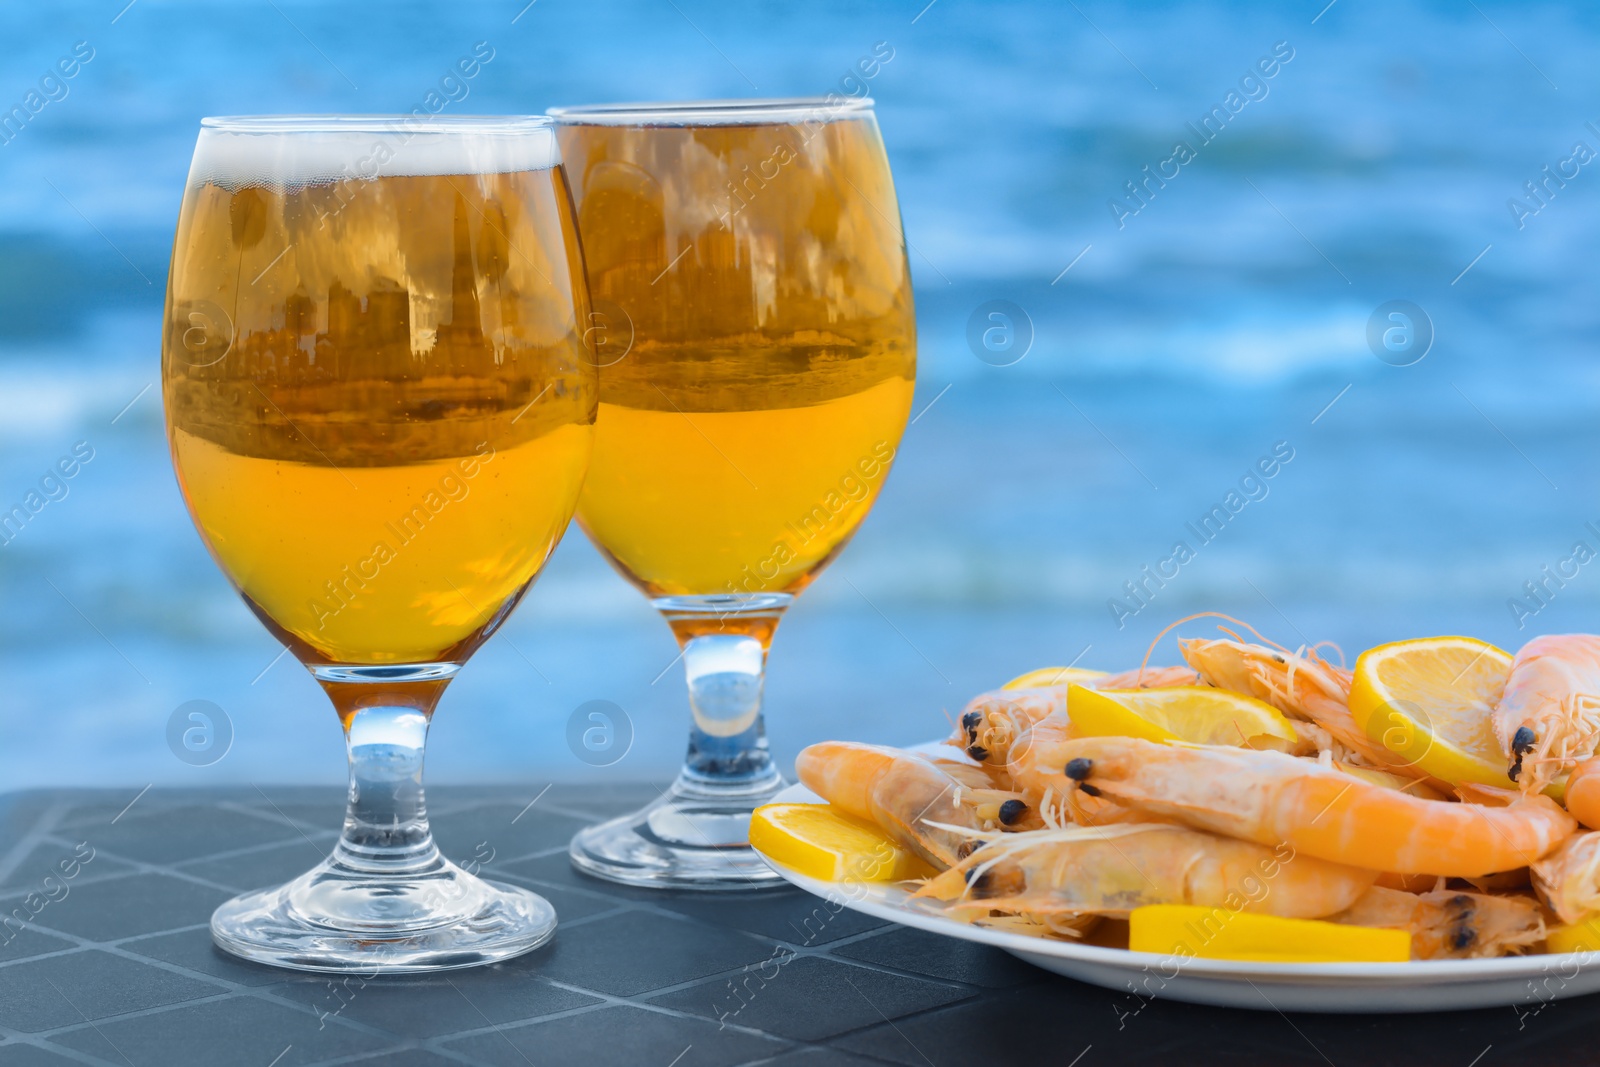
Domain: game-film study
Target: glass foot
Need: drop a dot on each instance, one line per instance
(689, 839)
(337, 918)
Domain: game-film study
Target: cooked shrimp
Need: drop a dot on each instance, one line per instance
(970, 775)
(1583, 793)
(1449, 925)
(1269, 797)
(1035, 766)
(1112, 870)
(1149, 678)
(1301, 685)
(1569, 878)
(1033, 771)
(905, 795)
(1548, 719)
(992, 722)
(990, 793)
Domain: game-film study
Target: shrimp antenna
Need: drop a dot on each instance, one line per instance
(1203, 615)
(1329, 644)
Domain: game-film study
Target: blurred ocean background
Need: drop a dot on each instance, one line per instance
(1229, 314)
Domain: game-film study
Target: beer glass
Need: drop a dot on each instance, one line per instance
(380, 413)
(757, 354)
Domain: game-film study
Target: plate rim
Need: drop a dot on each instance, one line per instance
(1410, 972)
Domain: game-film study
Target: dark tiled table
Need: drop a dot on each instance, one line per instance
(117, 967)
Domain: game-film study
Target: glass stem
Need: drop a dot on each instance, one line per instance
(386, 711)
(725, 641)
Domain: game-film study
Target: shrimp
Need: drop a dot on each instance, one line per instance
(992, 798)
(909, 798)
(1269, 797)
(992, 722)
(1583, 793)
(1569, 878)
(1449, 925)
(1149, 678)
(1302, 686)
(970, 775)
(1112, 870)
(1548, 719)
(1034, 771)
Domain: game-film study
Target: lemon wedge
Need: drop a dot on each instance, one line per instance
(819, 841)
(1048, 676)
(1428, 701)
(1219, 934)
(1195, 713)
(1579, 937)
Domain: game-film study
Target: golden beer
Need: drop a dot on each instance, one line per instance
(759, 270)
(380, 408)
(378, 400)
(757, 350)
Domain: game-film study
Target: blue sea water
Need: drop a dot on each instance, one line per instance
(1223, 319)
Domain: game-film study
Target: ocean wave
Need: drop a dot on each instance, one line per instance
(48, 398)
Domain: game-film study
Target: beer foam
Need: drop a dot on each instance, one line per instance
(235, 153)
(806, 110)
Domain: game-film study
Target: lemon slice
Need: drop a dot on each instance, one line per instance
(1579, 937)
(819, 841)
(1428, 702)
(1219, 934)
(1048, 676)
(1195, 713)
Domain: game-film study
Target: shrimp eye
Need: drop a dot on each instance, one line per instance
(1011, 811)
(971, 720)
(1078, 769)
(1523, 740)
(1087, 788)
(978, 752)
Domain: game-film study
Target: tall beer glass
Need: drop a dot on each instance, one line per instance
(758, 354)
(380, 414)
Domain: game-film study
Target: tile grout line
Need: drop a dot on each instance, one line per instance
(147, 867)
(42, 828)
(439, 1044)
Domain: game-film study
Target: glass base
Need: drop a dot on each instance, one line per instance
(340, 919)
(694, 837)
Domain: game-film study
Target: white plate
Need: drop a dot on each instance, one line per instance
(1444, 985)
